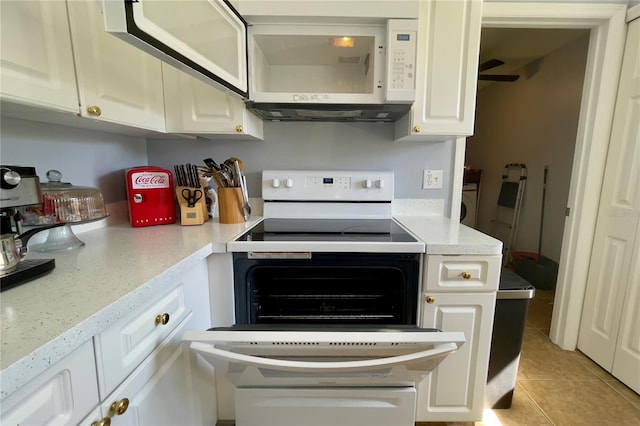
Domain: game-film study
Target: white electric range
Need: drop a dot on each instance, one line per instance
(326, 295)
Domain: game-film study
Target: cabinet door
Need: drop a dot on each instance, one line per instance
(205, 38)
(117, 82)
(125, 344)
(36, 66)
(455, 390)
(62, 395)
(161, 391)
(447, 70)
(199, 108)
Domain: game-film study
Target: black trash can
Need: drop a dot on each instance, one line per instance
(512, 303)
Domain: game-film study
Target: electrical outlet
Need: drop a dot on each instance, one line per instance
(432, 179)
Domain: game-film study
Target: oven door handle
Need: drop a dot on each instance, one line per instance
(438, 352)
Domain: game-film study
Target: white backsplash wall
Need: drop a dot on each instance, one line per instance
(85, 157)
(331, 146)
(98, 159)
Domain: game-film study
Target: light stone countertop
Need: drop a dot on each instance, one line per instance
(120, 267)
(444, 236)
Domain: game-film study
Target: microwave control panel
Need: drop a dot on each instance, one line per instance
(402, 42)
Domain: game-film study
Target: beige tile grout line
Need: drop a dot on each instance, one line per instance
(537, 405)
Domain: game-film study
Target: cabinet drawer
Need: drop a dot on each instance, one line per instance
(124, 345)
(62, 395)
(462, 273)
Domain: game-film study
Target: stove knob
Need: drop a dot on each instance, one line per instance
(288, 183)
(366, 183)
(379, 183)
(10, 178)
(275, 183)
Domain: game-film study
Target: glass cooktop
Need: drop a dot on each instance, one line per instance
(373, 230)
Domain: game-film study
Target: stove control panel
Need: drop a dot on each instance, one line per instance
(327, 185)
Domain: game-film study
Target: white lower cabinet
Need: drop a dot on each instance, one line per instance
(455, 390)
(146, 375)
(161, 391)
(62, 395)
(136, 372)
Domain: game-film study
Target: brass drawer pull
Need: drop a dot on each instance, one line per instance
(239, 128)
(431, 299)
(162, 319)
(119, 407)
(466, 275)
(102, 422)
(94, 110)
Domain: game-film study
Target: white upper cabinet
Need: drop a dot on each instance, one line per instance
(117, 82)
(197, 108)
(447, 71)
(205, 38)
(36, 66)
(348, 9)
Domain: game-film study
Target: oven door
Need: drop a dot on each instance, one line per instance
(309, 376)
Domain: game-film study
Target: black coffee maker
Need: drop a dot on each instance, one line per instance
(20, 186)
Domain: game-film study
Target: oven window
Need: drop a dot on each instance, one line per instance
(321, 292)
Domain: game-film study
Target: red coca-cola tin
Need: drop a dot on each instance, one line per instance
(150, 196)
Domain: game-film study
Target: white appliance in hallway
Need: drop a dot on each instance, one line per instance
(469, 208)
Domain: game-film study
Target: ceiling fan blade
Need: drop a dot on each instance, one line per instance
(498, 77)
(491, 63)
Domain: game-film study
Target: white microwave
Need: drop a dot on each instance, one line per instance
(326, 72)
(320, 63)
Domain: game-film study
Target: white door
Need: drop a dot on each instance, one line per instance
(611, 313)
(36, 66)
(206, 38)
(125, 83)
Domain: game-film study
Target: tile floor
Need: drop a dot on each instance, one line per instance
(557, 387)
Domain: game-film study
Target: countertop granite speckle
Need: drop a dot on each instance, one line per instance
(120, 267)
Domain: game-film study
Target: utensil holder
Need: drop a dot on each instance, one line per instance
(195, 215)
(230, 205)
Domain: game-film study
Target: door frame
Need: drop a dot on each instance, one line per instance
(606, 45)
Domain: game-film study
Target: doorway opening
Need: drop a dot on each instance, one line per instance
(606, 26)
(531, 119)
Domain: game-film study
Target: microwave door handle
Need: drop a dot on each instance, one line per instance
(441, 350)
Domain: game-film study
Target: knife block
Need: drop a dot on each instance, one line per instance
(196, 215)
(230, 205)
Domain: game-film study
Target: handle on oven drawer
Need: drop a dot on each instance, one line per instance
(440, 350)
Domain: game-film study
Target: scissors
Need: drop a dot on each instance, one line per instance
(191, 196)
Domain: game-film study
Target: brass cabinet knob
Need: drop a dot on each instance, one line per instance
(239, 128)
(416, 129)
(431, 299)
(466, 275)
(162, 319)
(119, 407)
(94, 110)
(102, 422)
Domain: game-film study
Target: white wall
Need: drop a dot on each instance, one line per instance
(531, 121)
(85, 157)
(98, 159)
(332, 146)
